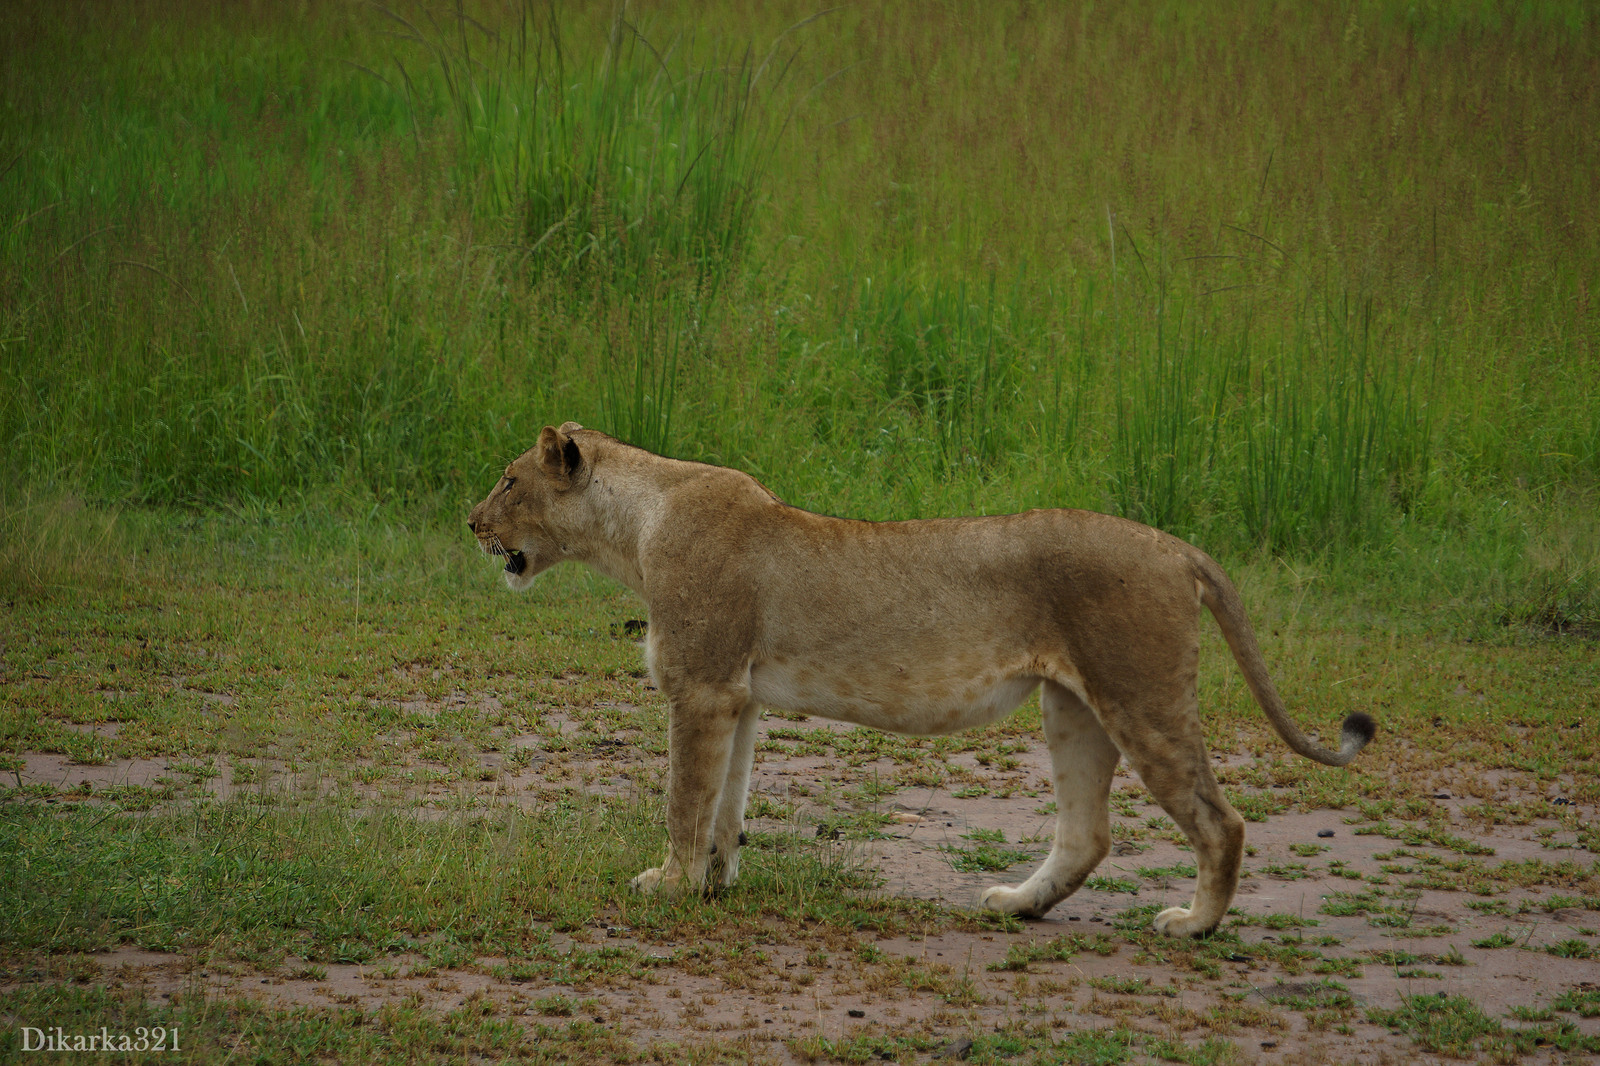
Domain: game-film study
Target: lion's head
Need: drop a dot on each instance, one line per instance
(519, 518)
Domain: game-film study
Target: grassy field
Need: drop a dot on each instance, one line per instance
(282, 290)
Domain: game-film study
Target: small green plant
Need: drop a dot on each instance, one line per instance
(87, 749)
(1021, 954)
(557, 1006)
(1166, 873)
(1584, 1002)
(1272, 921)
(1571, 948)
(986, 854)
(1320, 995)
(1212, 1051)
(1286, 871)
(1097, 1047)
(1129, 986)
(1532, 1014)
(1348, 904)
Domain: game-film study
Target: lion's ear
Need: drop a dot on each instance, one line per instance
(558, 453)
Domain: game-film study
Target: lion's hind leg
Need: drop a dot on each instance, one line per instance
(1216, 833)
(1174, 767)
(1083, 760)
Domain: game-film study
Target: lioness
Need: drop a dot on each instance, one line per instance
(922, 627)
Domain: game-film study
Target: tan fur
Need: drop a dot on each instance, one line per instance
(920, 627)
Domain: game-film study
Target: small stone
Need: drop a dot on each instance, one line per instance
(857, 1013)
(956, 1049)
(1324, 833)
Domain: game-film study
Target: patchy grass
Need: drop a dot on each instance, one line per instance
(1583, 1002)
(210, 1030)
(421, 774)
(1454, 1026)
(984, 852)
(242, 879)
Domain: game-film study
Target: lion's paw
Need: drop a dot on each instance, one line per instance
(1008, 899)
(726, 872)
(1179, 922)
(648, 882)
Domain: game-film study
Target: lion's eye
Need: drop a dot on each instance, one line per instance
(507, 486)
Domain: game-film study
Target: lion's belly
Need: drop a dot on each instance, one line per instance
(896, 698)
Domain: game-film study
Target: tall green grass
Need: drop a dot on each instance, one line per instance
(945, 353)
(617, 160)
(1291, 280)
(639, 379)
(1335, 440)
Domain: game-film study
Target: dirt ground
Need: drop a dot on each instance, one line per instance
(1428, 953)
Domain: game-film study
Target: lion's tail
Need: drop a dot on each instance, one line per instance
(1219, 595)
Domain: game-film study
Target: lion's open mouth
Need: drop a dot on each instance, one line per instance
(515, 562)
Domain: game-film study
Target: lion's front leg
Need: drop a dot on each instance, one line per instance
(700, 749)
(728, 837)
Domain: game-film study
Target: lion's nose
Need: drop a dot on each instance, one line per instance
(472, 525)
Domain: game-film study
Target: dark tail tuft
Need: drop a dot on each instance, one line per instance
(1357, 731)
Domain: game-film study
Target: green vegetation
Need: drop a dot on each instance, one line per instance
(248, 880)
(211, 1031)
(1249, 280)
(1129, 986)
(1583, 1002)
(1058, 949)
(1451, 1025)
(986, 852)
